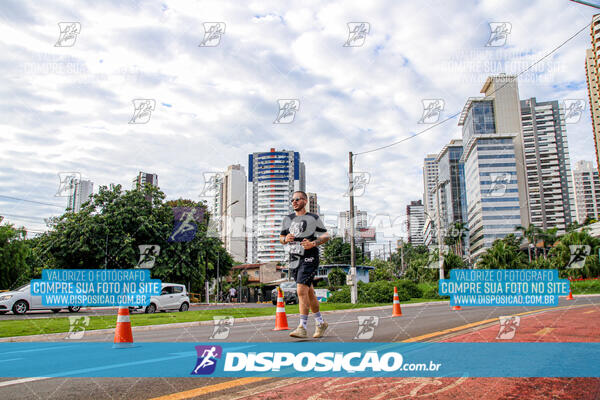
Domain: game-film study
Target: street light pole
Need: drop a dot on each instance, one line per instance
(354, 288)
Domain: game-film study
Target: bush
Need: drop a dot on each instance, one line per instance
(432, 293)
(340, 296)
(410, 287)
(373, 292)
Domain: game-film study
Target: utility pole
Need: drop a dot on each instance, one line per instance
(354, 288)
(390, 243)
(219, 254)
(439, 228)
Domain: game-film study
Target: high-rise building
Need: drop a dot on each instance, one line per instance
(144, 177)
(592, 69)
(360, 221)
(453, 194)
(313, 206)
(547, 164)
(80, 192)
(493, 158)
(230, 210)
(415, 218)
(430, 179)
(272, 179)
(587, 191)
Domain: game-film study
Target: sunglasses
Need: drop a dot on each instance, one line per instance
(296, 199)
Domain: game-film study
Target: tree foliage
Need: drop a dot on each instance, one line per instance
(14, 270)
(336, 251)
(108, 229)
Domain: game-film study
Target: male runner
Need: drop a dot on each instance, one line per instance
(299, 231)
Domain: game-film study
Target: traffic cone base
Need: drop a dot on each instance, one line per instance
(280, 317)
(570, 296)
(123, 334)
(396, 310)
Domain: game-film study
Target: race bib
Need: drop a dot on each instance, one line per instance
(295, 249)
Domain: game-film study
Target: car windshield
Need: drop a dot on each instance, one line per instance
(22, 288)
(288, 285)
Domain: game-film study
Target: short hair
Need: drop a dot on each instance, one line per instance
(303, 194)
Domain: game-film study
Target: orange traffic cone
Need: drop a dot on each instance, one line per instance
(280, 317)
(123, 334)
(396, 311)
(570, 296)
(456, 308)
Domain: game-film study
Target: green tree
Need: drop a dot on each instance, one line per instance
(337, 277)
(532, 233)
(14, 251)
(504, 254)
(560, 255)
(336, 251)
(107, 231)
(455, 237)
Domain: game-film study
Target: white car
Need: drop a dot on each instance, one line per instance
(172, 297)
(20, 300)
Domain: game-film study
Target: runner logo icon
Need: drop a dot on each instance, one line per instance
(207, 359)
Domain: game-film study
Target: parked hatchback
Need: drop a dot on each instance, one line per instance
(290, 293)
(20, 300)
(172, 297)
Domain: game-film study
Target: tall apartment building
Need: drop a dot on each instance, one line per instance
(430, 179)
(230, 210)
(587, 191)
(144, 177)
(415, 219)
(360, 221)
(592, 69)
(547, 164)
(79, 192)
(272, 179)
(493, 157)
(313, 206)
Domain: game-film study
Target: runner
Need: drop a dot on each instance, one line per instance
(298, 232)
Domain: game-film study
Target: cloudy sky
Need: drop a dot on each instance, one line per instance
(68, 107)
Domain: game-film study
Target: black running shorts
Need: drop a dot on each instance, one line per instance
(306, 271)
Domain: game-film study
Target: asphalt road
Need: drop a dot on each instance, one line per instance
(417, 322)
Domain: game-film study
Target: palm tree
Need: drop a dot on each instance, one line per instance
(549, 237)
(504, 254)
(456, 236)
(531, 233)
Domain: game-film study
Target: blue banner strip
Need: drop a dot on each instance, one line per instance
(323, 359)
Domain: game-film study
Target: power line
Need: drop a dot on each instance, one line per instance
(30, 201)
(458, 113)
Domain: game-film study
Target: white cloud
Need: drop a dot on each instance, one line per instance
(68, 108)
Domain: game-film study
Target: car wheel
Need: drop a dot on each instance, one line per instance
(3, 312)
(56, 310)
(184, 307)
(20, 307)
(274, 302)
(151, 309)
(74, 308)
